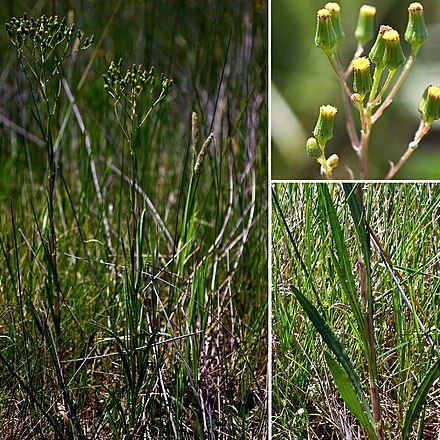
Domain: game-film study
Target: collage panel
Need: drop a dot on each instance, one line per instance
(355, 310)
(355, 90)
(133, 198)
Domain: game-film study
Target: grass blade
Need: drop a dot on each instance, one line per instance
(418, 401)
(332, 341)
(345, 274)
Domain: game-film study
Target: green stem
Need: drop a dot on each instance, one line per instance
(325, 168)
(365, 118)
(376, 81)
(351, 129)
(384, 88)
(396, 87)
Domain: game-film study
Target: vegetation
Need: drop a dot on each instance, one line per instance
(303, 80)
(132, 301)
(355, 311)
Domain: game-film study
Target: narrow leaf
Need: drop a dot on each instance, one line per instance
(348, 394)
(345, 274)
(332, 341)
(419, 398)
(357, 214)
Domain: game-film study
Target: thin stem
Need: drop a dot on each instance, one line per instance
(326, 169)
(423, 129)
(384, 88)
(339, 74)
(376, 81)
(396, 87)
(133, 217)
(351, 129)
(363, 154)
(365, 118)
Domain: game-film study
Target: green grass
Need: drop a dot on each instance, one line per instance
(160, 334)
(320, 248)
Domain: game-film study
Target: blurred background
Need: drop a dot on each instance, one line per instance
(302, 80)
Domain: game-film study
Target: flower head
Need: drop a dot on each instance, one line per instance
(429, 105)
(325, 35)
(324, 126)
(377, 52)
(361, 75)
(394, 56)
(365, 28)
(335, 12)
(416, 31)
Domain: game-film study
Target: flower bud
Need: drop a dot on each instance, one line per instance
(333, 161)
(394, 56)
(416, 31)
(365, 28)
(313, 150)
(335, 11)
(325, 36)
(361, 75)
(377, 52)
(429, 105)
(324, 126)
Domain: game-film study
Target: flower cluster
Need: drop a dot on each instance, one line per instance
(367, 93)
(43, 34)
(132, 82)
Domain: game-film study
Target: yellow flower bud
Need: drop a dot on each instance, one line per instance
(365, 28)
(416, 31)
(429, 106)
(335, 11)
(325, 35)
(361, 75)
(394, 56)
(324, 126)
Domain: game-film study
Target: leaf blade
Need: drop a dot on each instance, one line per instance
(348, 394)
(419, 398)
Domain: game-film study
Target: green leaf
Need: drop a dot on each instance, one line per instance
(332, 341)
(418, 401)
(348, 394)
(344, 267)
(358, 216)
